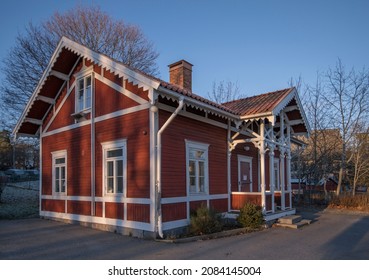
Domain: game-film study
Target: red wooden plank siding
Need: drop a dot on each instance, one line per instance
(130, 127)
(114, 210)
(239, 200)
(77, 144)
(174, 154)
(221, 205)
(138, 212)
(174, 211)
(110, 100)
(53, 205)
(79, 207)
(194, 205)
(98, 209)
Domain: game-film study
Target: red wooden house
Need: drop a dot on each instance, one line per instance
(125, 151)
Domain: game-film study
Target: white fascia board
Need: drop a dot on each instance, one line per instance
(39, 85)
(284, 103)
(197, 103)
(110, 64)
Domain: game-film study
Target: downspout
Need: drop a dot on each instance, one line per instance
(158, 164)
(93, 146)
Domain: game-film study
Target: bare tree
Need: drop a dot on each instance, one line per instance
(89, 26)
(225, 91)
(347, 97)
(359, 157)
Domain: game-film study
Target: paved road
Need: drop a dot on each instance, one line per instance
(331, 236)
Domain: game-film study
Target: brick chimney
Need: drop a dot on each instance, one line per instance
(180, 74)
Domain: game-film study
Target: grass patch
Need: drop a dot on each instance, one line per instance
(19, 203)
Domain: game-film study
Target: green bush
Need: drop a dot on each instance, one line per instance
(250, 216)
(205, 221)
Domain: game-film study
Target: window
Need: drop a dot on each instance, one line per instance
(114, 167)
(84, 93)
(197, 167)
(59, 172)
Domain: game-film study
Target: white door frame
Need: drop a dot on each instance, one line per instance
(247, 159)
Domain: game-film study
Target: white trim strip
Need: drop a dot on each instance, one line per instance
(175, 224)
(169, 200)
(99, 119)
(60, 106)
(118, 199)
(98, 220)
(121, 89)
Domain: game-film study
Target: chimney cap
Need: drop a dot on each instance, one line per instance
(182, 61)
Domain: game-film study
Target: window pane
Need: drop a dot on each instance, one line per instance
(201, 168)
(57, 173)
(115, 153)
(200, 154)
(88, 97)
(80, 85)
(80, 100)
(59, 160)
(110, 185)
(110, 169)
(202, 184)
(62, 175)
(57, 180)
(62, 182)
(192, 168)
(193, 184)
(119, 168)
(88, 81)
(119, 184)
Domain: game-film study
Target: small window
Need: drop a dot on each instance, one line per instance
(114, 167)
(84, 93)
(197, 167)
(59, 175)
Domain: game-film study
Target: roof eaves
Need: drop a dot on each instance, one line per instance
(189, 98)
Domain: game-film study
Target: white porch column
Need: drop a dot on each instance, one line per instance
(288, 163)
(271, 173)
(262, 165)
(229, 155)
(282, 173)
(288, 178)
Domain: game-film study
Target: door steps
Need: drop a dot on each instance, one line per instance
(292, 221)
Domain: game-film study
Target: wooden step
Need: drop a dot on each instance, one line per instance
(296, 225)
(290, 220)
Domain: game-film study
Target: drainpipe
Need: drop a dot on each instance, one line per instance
(158, 163)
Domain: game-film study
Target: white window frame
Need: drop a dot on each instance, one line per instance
(58, 155)
(84, 75)
(113, 145)
(190, 145)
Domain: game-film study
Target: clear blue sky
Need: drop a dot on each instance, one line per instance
(259, 44)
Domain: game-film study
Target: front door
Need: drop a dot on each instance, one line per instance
(244, 174)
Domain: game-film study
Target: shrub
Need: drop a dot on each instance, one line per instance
(250, 216)
(205, 221)
(348, 201)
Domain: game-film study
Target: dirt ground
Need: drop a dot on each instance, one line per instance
(20, 200)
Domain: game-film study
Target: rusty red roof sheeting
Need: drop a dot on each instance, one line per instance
(258, 104)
